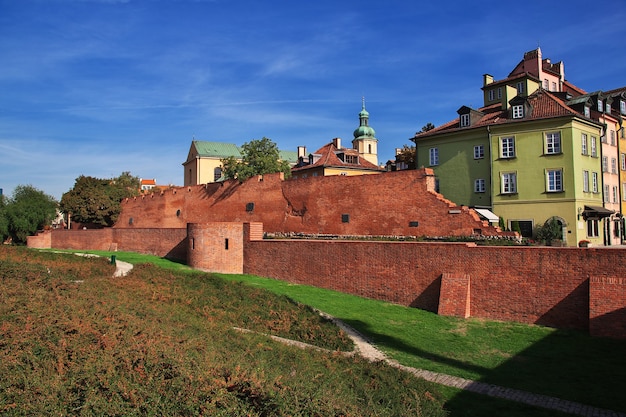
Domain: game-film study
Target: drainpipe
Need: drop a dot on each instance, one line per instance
(490, 168)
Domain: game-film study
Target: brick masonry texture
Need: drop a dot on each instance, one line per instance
(399, 203)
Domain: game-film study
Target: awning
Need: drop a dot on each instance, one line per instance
(487, 215)
(596, 213)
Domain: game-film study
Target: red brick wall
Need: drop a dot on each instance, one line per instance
(548, 286)
(169, 243)
(41, 240)
(217, 247)
(607, 309)
(382, 205)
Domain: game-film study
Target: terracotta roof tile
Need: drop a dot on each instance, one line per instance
(329, 158)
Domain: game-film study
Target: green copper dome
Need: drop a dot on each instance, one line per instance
(364, 130)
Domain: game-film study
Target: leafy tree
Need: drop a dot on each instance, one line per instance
(550, 231)
(407, 155)
(259, 156)
(26, 212)
(427, 127)
(97, 201)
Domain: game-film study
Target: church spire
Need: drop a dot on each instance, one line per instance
(365, 137)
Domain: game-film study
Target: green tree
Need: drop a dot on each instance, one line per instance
(27, 211)
(427, 127)
(407, 155)
(259, 157)
(97, 201)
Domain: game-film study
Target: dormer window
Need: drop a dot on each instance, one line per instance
(587, 111)
(518, 111)
(608, 107)
(622, 106)
(465, 120)
(351, 159)
(520, 87)
(599, 105)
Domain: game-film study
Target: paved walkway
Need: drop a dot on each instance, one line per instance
(366, 349)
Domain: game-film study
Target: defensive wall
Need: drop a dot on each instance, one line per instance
(572, 288)
(401, 203)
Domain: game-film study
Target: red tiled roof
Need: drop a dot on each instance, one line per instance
(148, 182)
(615, 91)
(328, 158)
(544, 105)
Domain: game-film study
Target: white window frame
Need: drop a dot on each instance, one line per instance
(479, 151)
(613, 166)
(553, 143)
(594, 146)
(546, 84)
(622, 159)
(585, 181)
(583, 144)
(607, 107)
(606, 193)
(600, 107)
(465, 120)
(594, 182)
(622, 106)
(508, 183)
(518, 111)
(587, 111)
(479, 185)
(554, 180)
(554, 86)
(605, 164)
(492, 94)
(614, 194)
(520, 87)
(433, 156)
(507, 147)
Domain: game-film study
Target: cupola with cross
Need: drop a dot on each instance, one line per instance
(365, 137)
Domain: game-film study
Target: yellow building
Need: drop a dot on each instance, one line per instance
(204, 160)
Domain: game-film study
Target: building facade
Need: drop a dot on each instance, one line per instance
(539, 149)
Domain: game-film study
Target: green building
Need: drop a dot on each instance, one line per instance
(530, 154)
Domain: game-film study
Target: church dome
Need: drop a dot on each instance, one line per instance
(364, 131)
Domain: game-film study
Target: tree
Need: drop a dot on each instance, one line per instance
(26, 212)
(259, 157)
(427, 127)
(407, 156)
(97, 201)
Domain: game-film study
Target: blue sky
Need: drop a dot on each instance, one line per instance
(98, 87)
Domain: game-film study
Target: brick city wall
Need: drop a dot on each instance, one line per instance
(540, 285)
(217, 247)
(394, 203)
(168, 243)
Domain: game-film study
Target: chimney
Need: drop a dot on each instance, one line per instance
(301, 151)
(337, 143)
(487, 79)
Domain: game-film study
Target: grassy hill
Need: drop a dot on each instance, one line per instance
(76, 341)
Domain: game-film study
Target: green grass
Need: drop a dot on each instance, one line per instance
(76, 341)
(564, 364)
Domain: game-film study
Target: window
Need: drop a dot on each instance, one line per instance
(553, 142)
(605, 164)
(492, 95)
(217, 174)
(546, 84)
(600, 105)
(603, 138)
(592, 228)
(507, 147)
(614, 194)
(583, 143)
(351, 159)
(500, 94)
(622, 158)
(612, 136)
(553, 86)
(622, 106)
(479, 151)
(520, 87)
(587, 111)
(554, 180)
(624, 191)
(594, 146)
(607, 107)
(586, 181)
(433, 156)
(594, 182)
(479, 185)
(606, 193)
(613, 165)
(465, 120)
(509, 183)
(518, 111)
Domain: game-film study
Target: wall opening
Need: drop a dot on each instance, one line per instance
(226, 244)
